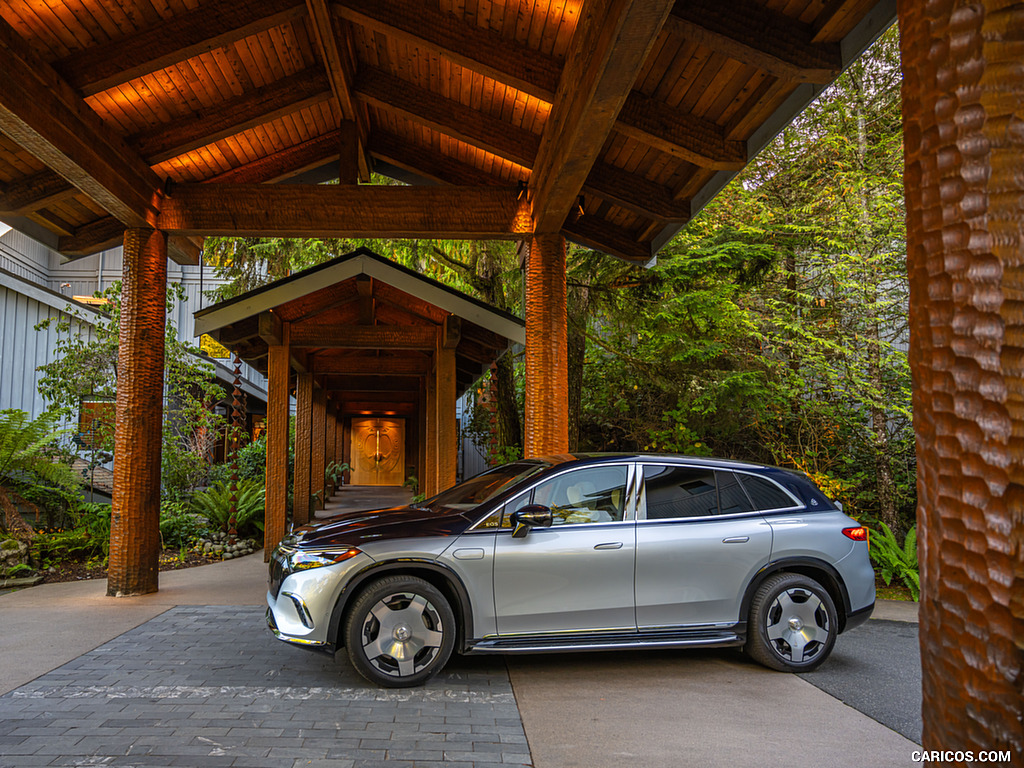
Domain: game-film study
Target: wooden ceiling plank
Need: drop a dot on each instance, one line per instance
(608, 49)
(295, 210)
(413, 337)
(475, 48)
(174, 40)
(287, 162)
(326, 35)
(689, 138)
(380, 366)
(41, 113)
(748, 32)
(446, 116)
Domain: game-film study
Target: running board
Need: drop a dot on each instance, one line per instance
(713, 639)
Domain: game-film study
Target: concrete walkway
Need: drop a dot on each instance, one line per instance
(130, 679)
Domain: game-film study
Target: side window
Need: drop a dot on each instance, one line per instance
(765, 494)
(731, 498)
(518, 502)
(596, 495)
(679, 492)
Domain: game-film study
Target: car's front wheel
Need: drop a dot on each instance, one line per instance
(792, 624)
(400, 632)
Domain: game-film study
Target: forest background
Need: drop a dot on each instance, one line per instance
(772, 328)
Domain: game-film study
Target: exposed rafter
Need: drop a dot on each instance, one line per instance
(295, 210)
(414, 337)
(689, 138)
(447, 35)
(749, 32)
(284, 164)
(325, 32)
(378, 366)
(601, 236)
(213, 25)
(42, 113)
(609, 47)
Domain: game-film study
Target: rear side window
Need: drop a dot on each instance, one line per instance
(679, 492)
(766, 494)
(731, 498)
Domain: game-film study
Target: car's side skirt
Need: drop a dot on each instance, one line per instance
(710, 637)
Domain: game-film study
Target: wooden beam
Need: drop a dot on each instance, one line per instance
(419, 337)
(344, 211)
(601, 236)
(689, 138)
(752, 34)
(270, 328)
(31, 193)
(40, 112)
(184, 250)
(635, 193)
(228, 118)
(475, 48)
(213, 25)
(377, 366)
(326, 35)
(369, 383)
(447, 116)
(608, 50)
(284, 164)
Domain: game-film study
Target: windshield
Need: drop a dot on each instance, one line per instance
(480, 488)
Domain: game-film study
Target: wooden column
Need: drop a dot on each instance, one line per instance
(318, 460)
(963, 114)
(444, 401)
(329, 436)
(346, 441)
(547, 372)
(135, 513)
(430, 476)
(276, 510)
(303, 448)
(339, 441)
(421, 433)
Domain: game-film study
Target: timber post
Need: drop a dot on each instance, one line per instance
(962, 111)
(318, 445)
(135, 512)
(444, 402)
(430, 479)
(547, 372)
(276, 511)
(302, 487)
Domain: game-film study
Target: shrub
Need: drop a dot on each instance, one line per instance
(215, 505)
(179, 527)
(894, 560)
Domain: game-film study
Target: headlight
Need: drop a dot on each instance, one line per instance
(303, 561)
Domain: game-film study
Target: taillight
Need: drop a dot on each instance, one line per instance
(857, 534)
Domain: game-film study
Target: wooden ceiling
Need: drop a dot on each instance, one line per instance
(612, 121)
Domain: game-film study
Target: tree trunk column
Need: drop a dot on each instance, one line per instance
(302, 487)
(276, 517)
(318, 463)
(135, 513)
(547, 370)
(963, 93)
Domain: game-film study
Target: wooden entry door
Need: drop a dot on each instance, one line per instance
(378, 451)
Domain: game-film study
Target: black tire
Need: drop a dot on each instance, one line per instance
(792, 624)
(400, 632)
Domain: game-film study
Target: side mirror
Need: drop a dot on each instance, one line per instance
(530, 516)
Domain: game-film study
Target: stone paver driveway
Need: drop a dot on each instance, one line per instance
(209, 686)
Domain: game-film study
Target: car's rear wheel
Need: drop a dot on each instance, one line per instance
(792, 624)
(400, 632)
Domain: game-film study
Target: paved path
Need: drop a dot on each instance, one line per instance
(191, 677)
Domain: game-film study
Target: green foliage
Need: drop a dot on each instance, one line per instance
(215, 505)
(252, 460)
(29, 452)
(335, 471)
(894, 560)
(179, 527)
(19, 570)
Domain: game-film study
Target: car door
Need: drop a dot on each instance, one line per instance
(699, 543)
(576, 575)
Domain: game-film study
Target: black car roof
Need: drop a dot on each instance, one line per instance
(601, 458)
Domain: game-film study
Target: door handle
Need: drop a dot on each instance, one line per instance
(609, 545)
(736, 540)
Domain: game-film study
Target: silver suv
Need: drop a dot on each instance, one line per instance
(582, 552)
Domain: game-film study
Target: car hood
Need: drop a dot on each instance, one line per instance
(354, 528)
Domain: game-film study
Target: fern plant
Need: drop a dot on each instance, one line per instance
(28, 457)
(894, 560)
(215, 505)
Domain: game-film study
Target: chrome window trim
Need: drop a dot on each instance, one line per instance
(629, 511)
(641, 509)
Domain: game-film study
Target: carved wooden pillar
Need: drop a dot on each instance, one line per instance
(430, 425)
(963, 110)
(330, 437)
(547, 372)
(135, 513)
(444, 402)
(421, 433)
(318, 459)
(302, 487)
(276, 512)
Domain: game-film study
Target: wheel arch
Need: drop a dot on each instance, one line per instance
(812, 568)
(441, 577)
